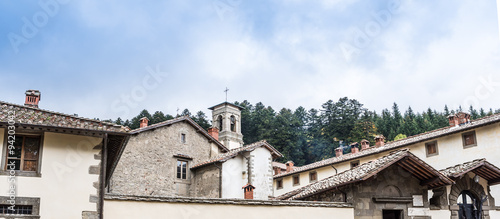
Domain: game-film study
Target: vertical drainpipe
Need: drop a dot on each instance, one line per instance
(104, 160)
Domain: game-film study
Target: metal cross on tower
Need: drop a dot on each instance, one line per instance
(226, 90)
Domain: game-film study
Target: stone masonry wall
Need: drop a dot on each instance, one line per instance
(391, 182)
(148, 166)
(206, 182)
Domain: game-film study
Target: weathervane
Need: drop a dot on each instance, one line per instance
(226, 90)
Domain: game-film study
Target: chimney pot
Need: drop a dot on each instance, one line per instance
(214, 132)
(354, 148)
(289, 166)
(248, 190)
(144, 122)
(365, 144)
(32, 98)
(339, 151)
(379, 140)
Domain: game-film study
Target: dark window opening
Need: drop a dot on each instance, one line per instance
(181, 169)
(469, 139)
(219, 123)
(354, 164)
(296, 180)
(23, 153)
(183, 138)
(233, 124)
(16, 209)
(279, 184)
(313, 176)
(431, 148)
(392, 214)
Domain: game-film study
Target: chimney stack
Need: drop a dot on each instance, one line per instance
(289, 166)
(365, 144)
(379, 140)
(144, 122)
(214, 132)
(32, 98)
(248, 189)
(354, 148)
(339, 151)
(459, 118)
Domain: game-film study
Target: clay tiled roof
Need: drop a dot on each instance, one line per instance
(234, 152)
(403, 158)
(480, 167)
(181, 119)
(45, 118)
(397, 144)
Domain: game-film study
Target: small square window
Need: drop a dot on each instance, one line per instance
(354, 164)
(296, 180)
(313, 176)
(23, 154)
(183, 138)
(469, 139)
(431, 149)
(279, 184)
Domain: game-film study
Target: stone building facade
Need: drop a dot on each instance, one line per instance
(158, 159)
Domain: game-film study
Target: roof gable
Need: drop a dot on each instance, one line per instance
(234, 152)
(480, 167)
(427, 175)
(186, 119)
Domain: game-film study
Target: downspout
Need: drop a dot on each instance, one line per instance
(220, 180)
(334, 169)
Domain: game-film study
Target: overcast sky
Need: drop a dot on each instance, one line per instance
(114, 58)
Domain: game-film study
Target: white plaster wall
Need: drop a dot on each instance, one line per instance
(494, 214)
(233, 178)
(65, 184)
(445, 214)
(134, 209)
(262, 173)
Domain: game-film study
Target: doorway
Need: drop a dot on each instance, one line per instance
(467, 206)
(392, 214)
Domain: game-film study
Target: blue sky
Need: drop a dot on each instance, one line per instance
(114, 58)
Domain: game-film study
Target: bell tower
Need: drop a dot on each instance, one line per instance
(227, 118)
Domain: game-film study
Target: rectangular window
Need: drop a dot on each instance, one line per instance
(431, 148)
(296, 180)
(181, 169)
(183, 138)
(313, 176)
(469, 139)
(23, 153)
(16, 209)
(279, 184)
(354, 164)
(25, 207)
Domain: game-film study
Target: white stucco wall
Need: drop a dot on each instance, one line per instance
(233, 178)
(134, 209)
(65, 184)
(262, 173)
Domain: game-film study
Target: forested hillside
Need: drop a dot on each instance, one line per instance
(306, 136)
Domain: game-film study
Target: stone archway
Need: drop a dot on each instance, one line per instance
(466, 183)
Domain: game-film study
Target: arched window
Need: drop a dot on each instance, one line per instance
(233, 124)
(219, 123)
